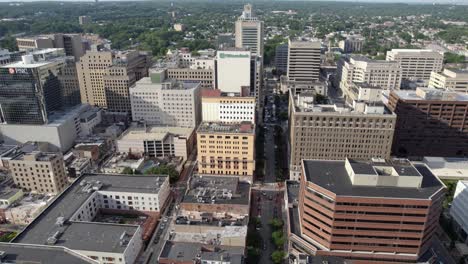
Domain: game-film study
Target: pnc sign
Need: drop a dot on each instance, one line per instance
(233, 56)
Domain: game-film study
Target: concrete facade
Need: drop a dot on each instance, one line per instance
(304, 60)
(230, 62)
(417, 63)
(452, 80)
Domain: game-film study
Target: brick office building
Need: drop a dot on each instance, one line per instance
(373, 211)
(430, 122)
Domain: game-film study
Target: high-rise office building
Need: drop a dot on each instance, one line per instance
(334, 132)
(105, 77)
(249, 32)
(450, 79)
(430, 122)
(71, 43)
(40, 172)
(160, 101)
(304, 60)
(360, 69)
(233, 70)
(417, 63)
(30, 90)
(281, 58)
(226, 149)
(366, 211)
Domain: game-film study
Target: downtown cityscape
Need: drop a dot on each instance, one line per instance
(229, 132)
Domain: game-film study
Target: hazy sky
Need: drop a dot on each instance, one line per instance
(373, 1)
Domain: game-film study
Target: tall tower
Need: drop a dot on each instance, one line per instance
(304, 60)
(249, 32)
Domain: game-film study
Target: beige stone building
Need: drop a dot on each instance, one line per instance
(417, 63)
(71, 43)
(39, 172)
(454, 80)
(333, 132)
(205, 76)
(359, 69)
(226, 149)
(105, 77)
(249, 31)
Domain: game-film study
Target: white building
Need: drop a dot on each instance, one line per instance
(160, 101)
(360, 69)
(227, 109)
(417, 63)
(304, 60)
(68, 221)
(449, 79)
(157, 142)
(448, 168)
(233, 70)
(459, 208)
(61, 131)
(89, 119)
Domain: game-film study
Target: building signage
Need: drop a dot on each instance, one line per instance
(234, 56)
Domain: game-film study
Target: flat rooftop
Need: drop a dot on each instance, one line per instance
(443, 167)
(186, 252)
(154, 132)
(166, 84)
(217, 190)
(333, 176)
(22, 253)
(430, 94)
(218, 127)
(87, 235)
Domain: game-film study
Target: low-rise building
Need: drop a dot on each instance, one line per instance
(453, 80)
(448, 168)
(69, 220)
(89, 119)
(186, 253)
(226, 149)
(179, 27)
(8, 196)
(298, 87)
(156, 141)
(363, 92)
(39, 172)
(216, 198)
(78, 167)
(23, 211)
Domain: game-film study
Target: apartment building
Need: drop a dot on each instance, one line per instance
(226, 149)
(249, 32)
(105, 77)
(68, 221)
(360, 69)
(71, 43)
(160, 101)
(417, 64)
(363, 130)
(84, 20)
(39, 172)
(219, 107)
(157, 141)
(304, 60)
(450, 79)
(430, 122)
(206, 77)
(366, 211)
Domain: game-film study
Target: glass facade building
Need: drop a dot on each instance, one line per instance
(28, 94)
